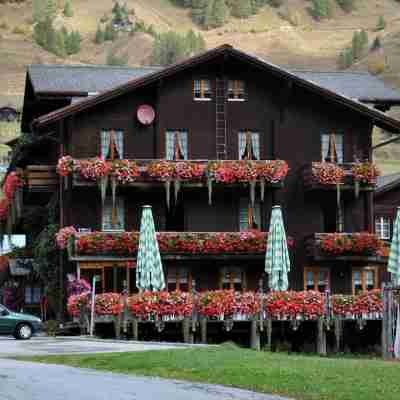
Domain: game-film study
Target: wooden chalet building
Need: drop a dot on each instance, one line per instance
(220, 105)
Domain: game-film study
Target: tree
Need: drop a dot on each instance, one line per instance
(113, 59)
(109, 32)
(321, 9)
(73, 43)
(199, 8)
(68, 12)
(346, 5)
(381, 24)
(346, 58)
(359, 43)
(194, 43)
(99, 37)
(219, 13)
(60, 46)
(43, 9)
(241, 8)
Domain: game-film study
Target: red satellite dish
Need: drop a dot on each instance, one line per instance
(146, 114)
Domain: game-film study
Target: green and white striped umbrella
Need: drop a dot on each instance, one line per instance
(277, 261)
(149, 271)
(394, 256)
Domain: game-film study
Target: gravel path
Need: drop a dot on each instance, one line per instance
(31, 381)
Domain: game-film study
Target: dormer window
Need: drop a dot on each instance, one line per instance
(176, 145)
(112, 144)
(202, 89)
(249, 145)
(236, 90)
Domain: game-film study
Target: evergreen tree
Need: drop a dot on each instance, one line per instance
(321, 9)
(219, 13)
(51, 9)
(346, 5)
(73, 43)
(114, 59)
(59, 44)
(99, 38)
(364, 40)
(356, 45)
(241, 8)
(381, 24)
(346, 58)
(116, 8)
(208, 15)
(109, 32)
(43, 9)
(199, 8)
(68, 12)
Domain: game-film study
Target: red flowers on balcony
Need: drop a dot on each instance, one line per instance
(126, 243)
(326, 173)
(10, 188)
(353, 306)
(365, 173)
(363, 244)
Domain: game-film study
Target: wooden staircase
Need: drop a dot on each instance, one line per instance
(220, 118)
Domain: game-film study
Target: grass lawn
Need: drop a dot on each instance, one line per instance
(298, 377)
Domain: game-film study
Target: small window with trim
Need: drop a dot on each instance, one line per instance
(383, 226)
(249, 216)
(317, 278)
(202, 89)
(112, 144)
(179, 279)
(233, 278)
(332, 147)
(249, 145)
(176, 145)
(33, 294)
(113, 215)
(236, 90)
(364, 279)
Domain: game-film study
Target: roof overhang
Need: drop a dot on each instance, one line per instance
(377, 117)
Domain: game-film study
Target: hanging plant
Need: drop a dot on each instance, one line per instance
(65, 166)
(124, 171)
(93, 169)
(365, 173)
(326, 173)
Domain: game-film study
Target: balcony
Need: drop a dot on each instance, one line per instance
(41, 178)
(357, 246)
(326, 176)
(122, 246)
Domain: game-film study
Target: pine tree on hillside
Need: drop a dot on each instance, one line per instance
(199, 8)
(208, 15)
(68, 12)
(321, 9)
(346, 5)
(381, 24)
(241, 8)
(60, 48)
(219, 13)
(99, 37)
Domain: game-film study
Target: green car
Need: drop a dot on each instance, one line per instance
(21, 326)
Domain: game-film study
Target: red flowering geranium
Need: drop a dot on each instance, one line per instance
(161, 170)
(273, 171)
(93, 169)
(370, 302)
(108, 304)
(65, 166)
(79, 302)
(326, 173)
(307, 305)
(365, 172)
(11, 184)
(63, 236)
(362, 243)
(124, 171)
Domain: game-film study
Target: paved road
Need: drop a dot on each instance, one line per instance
(64, 345)
(29, 381)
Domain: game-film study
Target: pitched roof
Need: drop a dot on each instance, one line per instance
(385, 183)
(378, 118)
(86, 79)
(362, 86)
(82, 79)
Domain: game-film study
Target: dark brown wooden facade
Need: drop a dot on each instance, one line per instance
(289, 116)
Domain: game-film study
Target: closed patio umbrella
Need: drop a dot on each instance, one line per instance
(394, 255)
(149, 271)
(277, 262)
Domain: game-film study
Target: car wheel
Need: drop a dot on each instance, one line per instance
(23, 332)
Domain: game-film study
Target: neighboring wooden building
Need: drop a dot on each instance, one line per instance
(221, 105)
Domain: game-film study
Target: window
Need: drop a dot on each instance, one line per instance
(112, 144)
(179, 279)
(113, 218)
(382, 227)
(332, 146)
(364, 279)
(232, 278)
(249, 217)
(316, 278)
(176, 145)
(236, 90)
(32, 294)
(249, 145)
(201, 89)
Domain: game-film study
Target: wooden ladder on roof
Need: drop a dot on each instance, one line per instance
(220, 118)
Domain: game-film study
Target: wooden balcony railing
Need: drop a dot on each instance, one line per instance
(120, 246)
(41, 178)
(313, 180)
(356, 246)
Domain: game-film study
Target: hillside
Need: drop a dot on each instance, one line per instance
(287, 35)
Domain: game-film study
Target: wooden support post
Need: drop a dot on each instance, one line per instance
(321, 338)
(338, 334)
(186, 330)
(203, 330)
(135, 329)
(254, 336)
(269, 334)
(117, 326)
(387, 324)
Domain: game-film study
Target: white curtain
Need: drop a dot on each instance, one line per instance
(242, 145)
(169, 145)
(107, 216)
(105, 144)
(119, 143)
(244, 214)
(183, 143)
(255, 143)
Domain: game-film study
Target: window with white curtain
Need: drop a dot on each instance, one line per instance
(325, 151)
(364, 279)
(113, 219)
(112, 143)
(176, 145)
(232, 278)
(236, 90)
(177, 279)
(249, 217)
(382, 227)
(249, 145)
(202, 89)
(32, 294)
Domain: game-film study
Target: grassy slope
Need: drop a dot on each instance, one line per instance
(300, 377)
